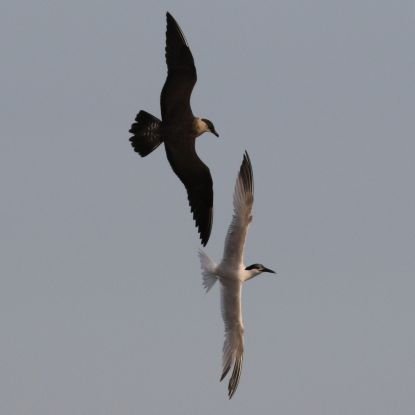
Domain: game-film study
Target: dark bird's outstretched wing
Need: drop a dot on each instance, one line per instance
(181, 75)
(195, 176)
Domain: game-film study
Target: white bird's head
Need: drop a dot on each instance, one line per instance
(256, 269)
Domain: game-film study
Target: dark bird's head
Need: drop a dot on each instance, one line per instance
(256, 269)
(207, 126)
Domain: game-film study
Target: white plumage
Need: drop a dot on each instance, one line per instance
(232, 273)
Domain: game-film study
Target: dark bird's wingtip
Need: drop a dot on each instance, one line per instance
(170, 17)
(204, 235)
(203, 224)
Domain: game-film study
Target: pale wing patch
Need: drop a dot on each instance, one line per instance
(243, 199)
(233, 347)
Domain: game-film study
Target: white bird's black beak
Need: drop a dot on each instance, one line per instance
(268, 270)
(213, 131)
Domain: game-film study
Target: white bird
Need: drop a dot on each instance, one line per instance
(232, 273)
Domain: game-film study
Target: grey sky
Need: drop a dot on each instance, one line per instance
(102, 309)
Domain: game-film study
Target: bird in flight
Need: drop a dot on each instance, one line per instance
(179, 128)
(232, 273)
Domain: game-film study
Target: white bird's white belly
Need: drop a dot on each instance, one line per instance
(228, 272)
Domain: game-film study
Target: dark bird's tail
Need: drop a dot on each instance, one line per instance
(147, 134)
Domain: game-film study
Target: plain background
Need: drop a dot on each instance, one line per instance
(102, 309)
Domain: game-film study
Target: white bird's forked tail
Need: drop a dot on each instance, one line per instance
(208, 270)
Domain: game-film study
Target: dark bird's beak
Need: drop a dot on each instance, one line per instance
(214, 132)
(268, 270)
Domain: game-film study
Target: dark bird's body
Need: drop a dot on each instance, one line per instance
(179, 128)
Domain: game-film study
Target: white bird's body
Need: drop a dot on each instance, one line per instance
(232, 273)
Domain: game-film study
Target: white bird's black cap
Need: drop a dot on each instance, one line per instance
(260, 267)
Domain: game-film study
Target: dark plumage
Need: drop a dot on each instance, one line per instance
(179, 128)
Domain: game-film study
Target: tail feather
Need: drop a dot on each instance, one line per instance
(208, 271)
(147, 133)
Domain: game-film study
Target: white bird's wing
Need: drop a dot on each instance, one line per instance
(243, 200)
(233, 348)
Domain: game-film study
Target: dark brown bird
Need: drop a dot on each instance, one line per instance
(179, 128)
